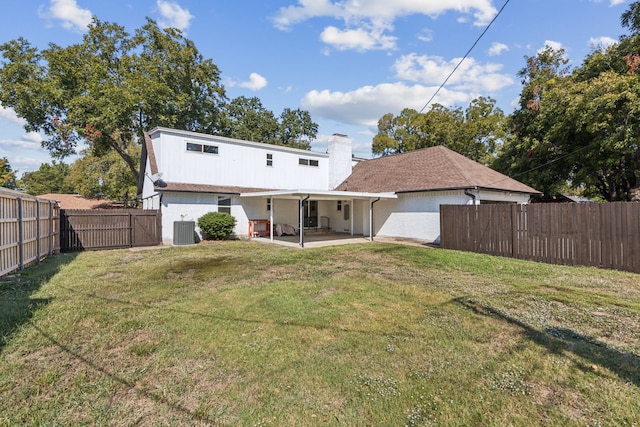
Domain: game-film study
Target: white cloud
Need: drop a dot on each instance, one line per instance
(10, 116)
(366, 105)
(33, 137)
(367, 22)
(385, 10)
(497, 48)
(173, 15)
(359, 39)
(425, 35)
(616, 2)
(602, 42)
(20, 144)
(552, 44)
(256, 82)
(470, 76)
(72, 16)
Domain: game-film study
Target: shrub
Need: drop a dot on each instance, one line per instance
(216, 225)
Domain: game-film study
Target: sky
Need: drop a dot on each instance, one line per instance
(347, 62)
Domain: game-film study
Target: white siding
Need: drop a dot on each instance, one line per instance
(414, 215)
(241, 164)
(191, 206)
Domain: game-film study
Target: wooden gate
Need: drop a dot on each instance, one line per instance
(93, 229)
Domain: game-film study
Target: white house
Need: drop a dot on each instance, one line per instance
(187, 174)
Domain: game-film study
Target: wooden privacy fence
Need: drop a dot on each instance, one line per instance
(29, 230)
(605, 235)
(109, 228)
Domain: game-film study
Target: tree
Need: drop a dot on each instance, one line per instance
(296, 129)
(582, 128)
(475, 132)
(49, 178)
(103, 177)
(595, 126)
(7, 175)
(110, 88)
(248, 119)
(526, 153)
(485, 129)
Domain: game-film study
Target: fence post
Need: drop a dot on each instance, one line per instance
(131, 234)
(20, 236)
(514, 233)
(38, 231)
(50, 227)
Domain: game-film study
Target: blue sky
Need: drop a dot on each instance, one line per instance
(347, 62)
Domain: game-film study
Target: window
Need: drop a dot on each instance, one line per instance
(202, 148)
(339, 205)
(224, 204)
(268, 204)
(346, 212)
(194, 147)
(211, 149)
(308, 162)
(269, 159)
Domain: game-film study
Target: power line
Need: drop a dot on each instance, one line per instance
(465, 56)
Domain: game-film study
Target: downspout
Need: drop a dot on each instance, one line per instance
(371, 219)
(470, 194)
(302, 219)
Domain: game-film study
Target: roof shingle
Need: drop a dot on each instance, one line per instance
(433, 168)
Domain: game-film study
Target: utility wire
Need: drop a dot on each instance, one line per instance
(464, 57)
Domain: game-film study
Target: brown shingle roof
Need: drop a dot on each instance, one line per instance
(75, 201)
(204, 188)
(433, 168)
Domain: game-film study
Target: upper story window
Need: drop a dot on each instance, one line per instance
(269, 159)
(307, 162)
(202, 148)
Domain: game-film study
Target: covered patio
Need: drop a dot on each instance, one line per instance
(304, 199)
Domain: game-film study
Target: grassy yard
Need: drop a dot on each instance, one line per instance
(242, 333)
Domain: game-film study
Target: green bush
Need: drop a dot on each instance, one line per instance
(216, 225)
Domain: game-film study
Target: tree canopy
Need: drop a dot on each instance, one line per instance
(474, 132)
(106, 176)
(7, 175)
(49, 178)
(580, 128)
(248, 119)
(110, 88)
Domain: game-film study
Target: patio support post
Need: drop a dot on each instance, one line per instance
(371, 203)
(271, 219)
(351, 215)
(302, 200)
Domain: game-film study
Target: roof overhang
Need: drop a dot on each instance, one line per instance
(320, 195)
(471, 187)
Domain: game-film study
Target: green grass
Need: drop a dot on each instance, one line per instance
(242, 333)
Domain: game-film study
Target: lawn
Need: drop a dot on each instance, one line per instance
(376, 334)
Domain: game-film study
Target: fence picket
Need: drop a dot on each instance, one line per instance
(604, 235)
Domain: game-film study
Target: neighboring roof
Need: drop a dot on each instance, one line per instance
(427, 169)
(75, 201)
(204, 188)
